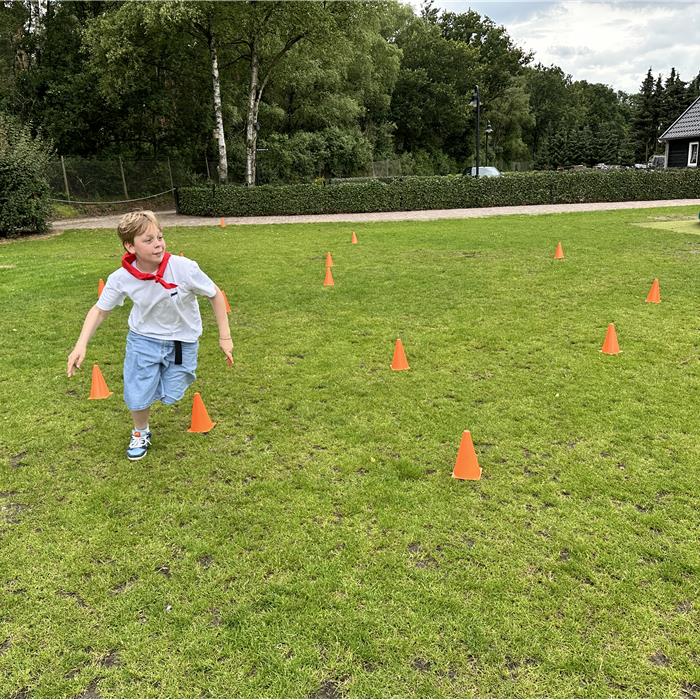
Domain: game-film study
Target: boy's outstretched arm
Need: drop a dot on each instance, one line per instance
(92, 321)
(218, 304)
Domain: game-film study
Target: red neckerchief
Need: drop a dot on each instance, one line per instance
(157, 276)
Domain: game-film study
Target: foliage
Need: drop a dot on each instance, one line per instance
(154, 75)
(24, 190)
(412, 193)
(445, 56)
(14, 47)
(656, 107)
(430, 104)
(338, 85)
(305, 155)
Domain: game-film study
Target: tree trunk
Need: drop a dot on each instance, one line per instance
(222, 167)
(251, 131)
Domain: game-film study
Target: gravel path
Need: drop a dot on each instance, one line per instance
(169, 218)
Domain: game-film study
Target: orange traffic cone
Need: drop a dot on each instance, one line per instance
(201, 423)
(228, 306)
(328, 282)
(399, 361)
(222, 223)
(354, 238)
(610, 346)
(329, 260)
(99, 388)
(100, 287)
(467, 464)
(654, 296)
(559, 253)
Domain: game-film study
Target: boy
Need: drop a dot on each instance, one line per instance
(164, 323)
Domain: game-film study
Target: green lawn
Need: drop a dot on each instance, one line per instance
(314, 543)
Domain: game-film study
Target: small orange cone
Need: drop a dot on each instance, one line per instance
(100, 287)
(201, 423)
(222, 223)
(99, 388)
(467, 465)
(328, 282)
(329, 260)
(559, 253)
(654, 296)
(354, 238)
(610, 346)
(228, 306)
(399, 362)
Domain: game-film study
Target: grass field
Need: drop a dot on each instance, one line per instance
(314, 543)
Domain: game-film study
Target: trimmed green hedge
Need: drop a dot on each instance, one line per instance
(441, 192)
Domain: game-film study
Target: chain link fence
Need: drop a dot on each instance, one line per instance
(84, 180)
(120, 181)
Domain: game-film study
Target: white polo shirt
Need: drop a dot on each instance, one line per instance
(163, 314)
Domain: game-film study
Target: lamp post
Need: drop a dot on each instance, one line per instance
(488, 130)
(476, 102)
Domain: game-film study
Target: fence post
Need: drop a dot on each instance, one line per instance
(206, 162)
(65, 178)
(170, 170)
(121, 167)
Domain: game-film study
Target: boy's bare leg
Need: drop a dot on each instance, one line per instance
(140, 418)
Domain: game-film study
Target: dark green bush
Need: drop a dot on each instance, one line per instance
(442, 192)
(24, 188)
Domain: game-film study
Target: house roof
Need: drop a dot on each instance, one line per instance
(686, 126)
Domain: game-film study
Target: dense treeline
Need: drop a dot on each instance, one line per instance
(292, 91)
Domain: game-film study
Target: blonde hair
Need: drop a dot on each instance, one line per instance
(135, 223)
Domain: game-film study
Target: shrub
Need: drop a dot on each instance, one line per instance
(24, 189)
(441, 192)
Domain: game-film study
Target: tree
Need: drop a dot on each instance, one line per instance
(345, 91)
(500, 60)
(644, 124)
(549, 91)
(14, 42)
(673, 101)
(430, 103)
(266, 34)
(58, 87)
(694, 88)
(511, 119)
(444, 57)
(152, 60)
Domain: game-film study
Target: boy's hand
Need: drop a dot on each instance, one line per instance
(75, 360)
(226, 345)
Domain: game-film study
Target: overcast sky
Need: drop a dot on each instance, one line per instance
(613, 42)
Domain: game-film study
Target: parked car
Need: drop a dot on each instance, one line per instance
(486, 171)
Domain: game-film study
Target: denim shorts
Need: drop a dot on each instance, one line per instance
(150, 372)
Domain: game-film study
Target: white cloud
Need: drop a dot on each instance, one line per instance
(613, 42)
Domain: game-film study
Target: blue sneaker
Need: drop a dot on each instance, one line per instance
(138, 447)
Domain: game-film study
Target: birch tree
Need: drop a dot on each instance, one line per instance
(265, 33)
(207, 22)
(160, 35)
